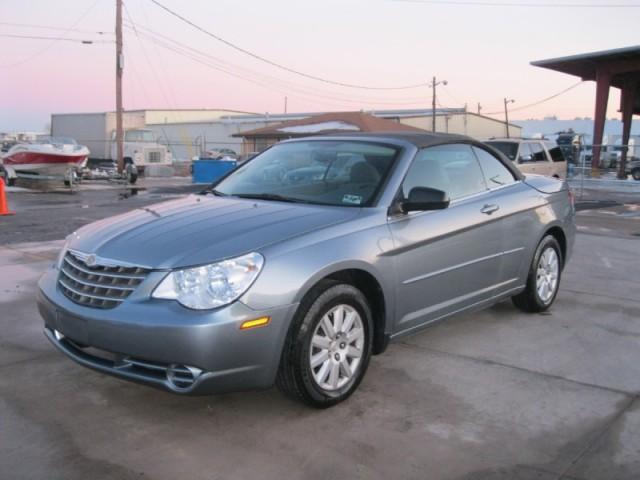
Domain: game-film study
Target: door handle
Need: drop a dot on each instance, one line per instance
(489, 209)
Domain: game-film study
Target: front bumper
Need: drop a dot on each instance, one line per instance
(163, 344)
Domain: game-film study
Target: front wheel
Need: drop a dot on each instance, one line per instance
(131, 173)
(635, 173)
(328, 347)
(543, 280)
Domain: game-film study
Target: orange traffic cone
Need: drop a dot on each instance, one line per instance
(4, 206)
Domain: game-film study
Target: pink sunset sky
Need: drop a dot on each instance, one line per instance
(483, 51)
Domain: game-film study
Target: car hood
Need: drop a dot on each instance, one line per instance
(201, 229)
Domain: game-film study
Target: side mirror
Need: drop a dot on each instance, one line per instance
(423, 198)
(526, 158)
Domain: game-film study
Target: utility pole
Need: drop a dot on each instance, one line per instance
(433, 85)
(506, 113)
(285, 104)
(119, 70)
(479, 108)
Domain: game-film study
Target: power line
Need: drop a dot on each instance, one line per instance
(250, 75)
(161, 61)
(526, 5)
(144, 52)
(47, 27)
(276, 64)
(54, 41)
(546, 99)
(62, 39)
(255, 79)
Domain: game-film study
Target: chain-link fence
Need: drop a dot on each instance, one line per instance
(615, 173)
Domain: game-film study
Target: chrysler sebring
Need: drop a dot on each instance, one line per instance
(298, 266)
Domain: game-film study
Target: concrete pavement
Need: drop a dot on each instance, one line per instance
(491, 395)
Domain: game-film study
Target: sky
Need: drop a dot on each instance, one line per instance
(482, 51)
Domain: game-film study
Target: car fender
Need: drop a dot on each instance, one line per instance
(288, 276)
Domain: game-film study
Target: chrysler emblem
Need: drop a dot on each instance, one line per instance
(91, 260)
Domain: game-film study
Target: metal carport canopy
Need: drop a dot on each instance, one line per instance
(619, 68)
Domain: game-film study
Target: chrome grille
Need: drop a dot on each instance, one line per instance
(99, 285)
(154, 156)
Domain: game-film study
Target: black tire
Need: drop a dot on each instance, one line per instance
(295, 376)
(131, 173)
(8, 181)
(635, 173)
(529, 299)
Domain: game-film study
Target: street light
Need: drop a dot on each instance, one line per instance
(433, 85)
(506, 113)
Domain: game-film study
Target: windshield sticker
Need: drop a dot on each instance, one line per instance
(352, 199)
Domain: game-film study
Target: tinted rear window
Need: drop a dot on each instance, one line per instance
(556, 154)
(510, 149)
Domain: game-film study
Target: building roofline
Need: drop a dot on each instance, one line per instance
(598, 55)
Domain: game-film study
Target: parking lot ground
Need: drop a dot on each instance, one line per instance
(53, 215)
(491, 395)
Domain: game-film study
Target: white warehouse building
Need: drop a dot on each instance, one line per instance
(190, 133)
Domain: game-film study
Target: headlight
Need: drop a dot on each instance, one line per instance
(211, 286)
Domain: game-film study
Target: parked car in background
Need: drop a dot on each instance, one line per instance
(261, 280)
(220, 154)
(541, 157)
(633, 168)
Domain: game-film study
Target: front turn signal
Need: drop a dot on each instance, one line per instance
(258, 322)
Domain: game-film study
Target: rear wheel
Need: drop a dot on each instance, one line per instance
(635, 173)
(328, 347)
(8, 181)
(543, 280)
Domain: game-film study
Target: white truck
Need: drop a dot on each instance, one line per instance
(97, 132)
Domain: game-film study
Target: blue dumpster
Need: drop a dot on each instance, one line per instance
(206, 171)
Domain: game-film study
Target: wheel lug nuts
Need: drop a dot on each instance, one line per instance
(337, 356)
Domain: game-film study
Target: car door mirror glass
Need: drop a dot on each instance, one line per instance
(526, 159)
(424, 198)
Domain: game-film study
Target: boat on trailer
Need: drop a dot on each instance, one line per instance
(59, 157)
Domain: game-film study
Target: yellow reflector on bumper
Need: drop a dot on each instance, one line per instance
(258, 322)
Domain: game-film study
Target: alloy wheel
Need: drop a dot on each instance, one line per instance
(547, 274)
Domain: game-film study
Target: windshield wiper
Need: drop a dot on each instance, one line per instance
(214, 192)
(269, 196)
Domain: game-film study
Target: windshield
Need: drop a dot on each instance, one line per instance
(139, 136)
(510, 149)
(326, 172)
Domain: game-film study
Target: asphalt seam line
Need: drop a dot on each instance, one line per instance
(597, 437)
(520, 369)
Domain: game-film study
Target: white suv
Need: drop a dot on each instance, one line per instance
(541, 157)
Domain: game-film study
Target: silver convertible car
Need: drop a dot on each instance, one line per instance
(298, 266)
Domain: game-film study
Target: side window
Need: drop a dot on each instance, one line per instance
(556, 154)
(537, 150)
(451, 168)
(524, 154)
(495, 173)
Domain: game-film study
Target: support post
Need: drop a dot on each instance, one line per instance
(603, 79)
(433, 106)
(119, 71)
(506, 114)
(627, 101)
